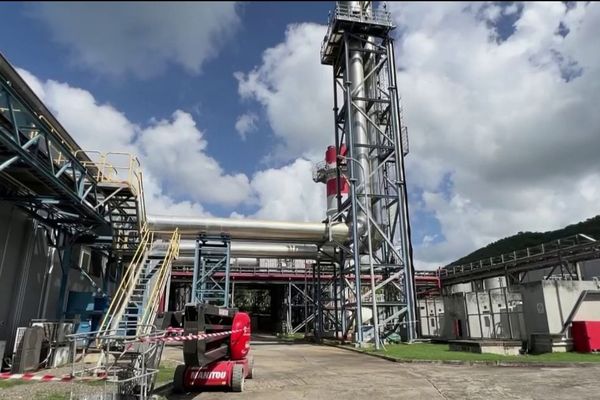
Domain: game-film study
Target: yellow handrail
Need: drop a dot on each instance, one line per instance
(111, 167)
(149, 314)
(119, 301)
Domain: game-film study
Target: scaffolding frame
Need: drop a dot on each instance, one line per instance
(379, 192)
(211, 274)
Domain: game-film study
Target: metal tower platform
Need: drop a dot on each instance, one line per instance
(356, 18)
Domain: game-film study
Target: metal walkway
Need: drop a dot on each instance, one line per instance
(46, 173)
(561, 253)
(39, 167)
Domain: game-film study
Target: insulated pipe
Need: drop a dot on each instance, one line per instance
(374, 113)
(255, 250)
(253, 230)
(244, 261)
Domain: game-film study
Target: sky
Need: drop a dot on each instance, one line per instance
(228, 107)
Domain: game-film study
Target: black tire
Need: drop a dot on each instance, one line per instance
(179, 379)
(237, 378)
(251, 368)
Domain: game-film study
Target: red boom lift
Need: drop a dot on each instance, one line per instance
(222, 358)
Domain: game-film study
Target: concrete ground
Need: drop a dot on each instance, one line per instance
(305, 371)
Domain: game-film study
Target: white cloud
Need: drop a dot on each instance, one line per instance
(517, 140)
(296, 91)
(140, 38)
(175, 150)
(177, 169)
(158, 201)
(245, 124)
(289, 193)
(96, 126)
(179, 173)
(517, 143)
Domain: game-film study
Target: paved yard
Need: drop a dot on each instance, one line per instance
(304, 371)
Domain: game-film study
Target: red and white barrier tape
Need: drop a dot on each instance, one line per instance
(189, 336)
(48, 378)
(69, 378)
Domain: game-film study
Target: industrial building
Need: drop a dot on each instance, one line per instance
(527, 299)
(79, 252)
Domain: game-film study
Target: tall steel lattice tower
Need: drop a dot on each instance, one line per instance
(371, 143)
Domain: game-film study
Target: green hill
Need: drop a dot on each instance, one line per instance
(521, 240)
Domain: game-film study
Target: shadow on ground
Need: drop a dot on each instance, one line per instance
(260, 339)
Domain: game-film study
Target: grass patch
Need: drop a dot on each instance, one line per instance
(431, 351)
(95, 383)
(57, 396)
(165, 373)
(5, 384)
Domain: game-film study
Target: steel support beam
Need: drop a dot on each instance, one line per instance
(369, 124)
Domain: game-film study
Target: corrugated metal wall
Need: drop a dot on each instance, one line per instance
(23, 266)
(30, 273)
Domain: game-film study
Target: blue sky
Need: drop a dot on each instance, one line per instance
(498, 98)
(211, 95)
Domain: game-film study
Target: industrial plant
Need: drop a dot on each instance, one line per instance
(87, 273)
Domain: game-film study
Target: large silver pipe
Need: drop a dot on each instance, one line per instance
(244, 261)
(234, 262)
(373, 134)
(241, 250)
(359, 124)
(252, 230)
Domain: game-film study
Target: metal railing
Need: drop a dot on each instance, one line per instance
(357, 13)
(112, 319)
(127, 285)
(118, 168)
(549, 249)
(149, 314)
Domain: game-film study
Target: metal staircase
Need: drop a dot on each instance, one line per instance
(121, 191)
(133, 308)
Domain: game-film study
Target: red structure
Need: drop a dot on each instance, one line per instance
(586, 336)
(226, 365)
(427, 284)
(327, 173)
